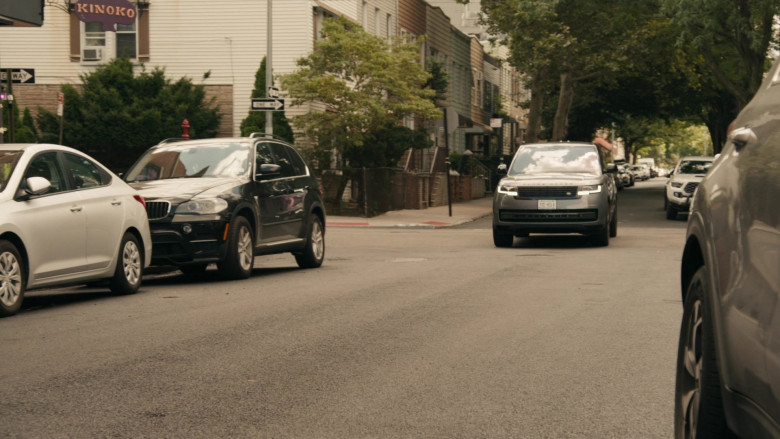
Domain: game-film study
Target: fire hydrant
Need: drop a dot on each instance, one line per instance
(185, 129)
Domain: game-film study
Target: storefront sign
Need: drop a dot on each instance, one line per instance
(108, 12)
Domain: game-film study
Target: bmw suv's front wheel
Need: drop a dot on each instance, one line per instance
(240, 251)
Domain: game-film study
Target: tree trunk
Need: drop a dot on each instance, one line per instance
(565, 100)
(535, 109)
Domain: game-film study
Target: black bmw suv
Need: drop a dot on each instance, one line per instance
(227, 200)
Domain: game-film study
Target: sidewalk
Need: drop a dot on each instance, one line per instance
(430, 218)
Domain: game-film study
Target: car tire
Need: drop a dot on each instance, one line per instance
(240, 251)
(601, 239)
(613, 224)
(671, 212)
(314, 252)
(501, 239)
(129, 267)
(698, 402)
(12, 279)
(666, 202)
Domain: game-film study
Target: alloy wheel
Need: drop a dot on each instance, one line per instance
(10, 279)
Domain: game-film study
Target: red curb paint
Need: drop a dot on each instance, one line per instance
(436, 223)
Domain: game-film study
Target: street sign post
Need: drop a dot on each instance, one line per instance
(267, 104)
(18, 76)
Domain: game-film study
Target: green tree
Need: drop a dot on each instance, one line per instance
(118, 115)
(365, 85)
(732, 41)
(255, 121)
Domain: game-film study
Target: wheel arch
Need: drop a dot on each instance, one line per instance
(692, 259)
(140, 239)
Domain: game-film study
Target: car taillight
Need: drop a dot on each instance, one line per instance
(140, 199)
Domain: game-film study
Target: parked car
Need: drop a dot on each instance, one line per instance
(556, 188)
(227, 200)
(728, 362)
(625, 175)
(682, 183)
(641, 172)
(66, 219)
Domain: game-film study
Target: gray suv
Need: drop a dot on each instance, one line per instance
(557, 188)
(728, 362)
(227, 200)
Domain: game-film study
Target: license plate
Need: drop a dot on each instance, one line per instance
(547, 205)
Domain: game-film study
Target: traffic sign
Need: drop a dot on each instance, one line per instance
(18, 76)
(267, 104)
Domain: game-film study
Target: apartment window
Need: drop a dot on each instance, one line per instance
(377, 24)
(126, 41)
(388, 26)
(90, 44)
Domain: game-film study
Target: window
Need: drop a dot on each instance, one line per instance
(283, 160)
(90, 44)
(47, 165)
(85, 173)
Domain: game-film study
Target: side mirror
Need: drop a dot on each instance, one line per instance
(267, 170)
(33, 186)
(611, 168)
(501, 170)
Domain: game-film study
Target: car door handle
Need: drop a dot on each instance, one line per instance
(76, 209)
(299, 190)
(116, 203)
(742, 137)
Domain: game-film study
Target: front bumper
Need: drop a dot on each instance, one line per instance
(188, 242)
(585, 214)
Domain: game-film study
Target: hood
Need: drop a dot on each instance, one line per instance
(177, 190)
(685, 178)
(552, 180)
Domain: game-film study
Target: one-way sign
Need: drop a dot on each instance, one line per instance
(18, 76)
(267, 104)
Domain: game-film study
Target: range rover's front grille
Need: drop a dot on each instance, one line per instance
(157, 209)
(547, 192)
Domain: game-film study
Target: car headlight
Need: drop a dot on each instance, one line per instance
(507, 189)
(589, 189)
(203, 206)
(676, 184)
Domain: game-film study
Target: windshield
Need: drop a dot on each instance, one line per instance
(556, 159)
(8, 161)
(694, 167)
(192, 161)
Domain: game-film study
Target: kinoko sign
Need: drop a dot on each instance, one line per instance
(108, 12)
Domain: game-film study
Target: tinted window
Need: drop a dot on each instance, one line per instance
(283, 160)
(47, 165)
(85, 173)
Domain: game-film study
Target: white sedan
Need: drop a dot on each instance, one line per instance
(64, 219)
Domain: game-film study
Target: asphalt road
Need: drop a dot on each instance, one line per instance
(402, 333)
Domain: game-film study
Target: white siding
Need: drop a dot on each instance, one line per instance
(187, 39)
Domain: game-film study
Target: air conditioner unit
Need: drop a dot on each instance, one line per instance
(92, 54)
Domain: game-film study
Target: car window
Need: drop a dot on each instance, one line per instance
(263, 154)
(694, 167)
(297, 161)
(85, 173)
(283, 160)
(556, 159)
(8, 161)
(47, 165)
(186, 160)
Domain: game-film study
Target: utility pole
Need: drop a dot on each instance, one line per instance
(269, 69)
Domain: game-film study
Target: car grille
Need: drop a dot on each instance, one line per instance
(547, 192)
(690, 187)
(549, 216)
(157, 209)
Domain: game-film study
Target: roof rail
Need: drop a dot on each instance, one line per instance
(171, 140)
(266, 135)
